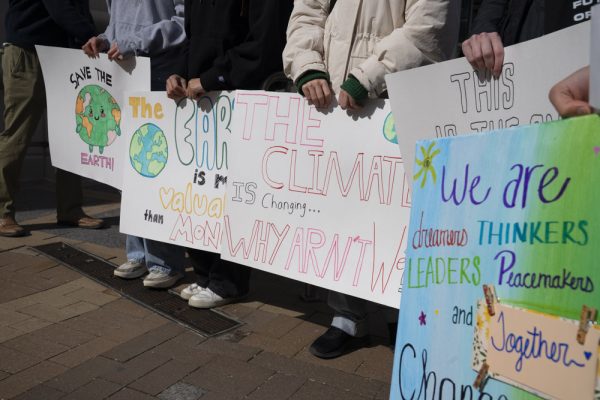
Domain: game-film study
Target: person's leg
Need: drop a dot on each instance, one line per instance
(350, 313)
(24, 101)
(203, 262)
(348, 328)
(227, 282)
(229, 279)
(165, 263)
(135, 266)
(69, 200)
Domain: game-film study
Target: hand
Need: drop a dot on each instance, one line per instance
(347, 102)
(114, 53)
(317, 92)
(176, 87)
(570, 96)
(95, 46)
(195, 89)
(485, 51)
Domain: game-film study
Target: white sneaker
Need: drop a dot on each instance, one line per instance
(208, 299)
(161, 280)
(131, 269)
(190, 290)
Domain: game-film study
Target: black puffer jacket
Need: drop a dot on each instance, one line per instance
(514, 20)
(235, 44)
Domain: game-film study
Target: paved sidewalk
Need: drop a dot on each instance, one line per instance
(63, 336)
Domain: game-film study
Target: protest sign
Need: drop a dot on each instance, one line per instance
(85, 99)
(450, 98)
(317, 196)
(516, 210)
(176, 170)
(595, 59)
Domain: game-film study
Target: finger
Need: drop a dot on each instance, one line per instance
(343, 100)
(477, 53)
(498, 49)
(312, 96)
(319, 96)
(94, 48)
(567, 103)
(487, 53)
(326, 93)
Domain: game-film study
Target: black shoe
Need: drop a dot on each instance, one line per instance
(335, 342)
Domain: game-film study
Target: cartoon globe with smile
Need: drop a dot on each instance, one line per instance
(98, 117)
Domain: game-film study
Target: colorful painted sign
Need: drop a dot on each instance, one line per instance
(450, 98)
(515, 209)
(320, 197)
(85, 99)
(176, 171)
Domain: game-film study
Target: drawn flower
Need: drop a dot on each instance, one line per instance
(422, 320)
(426, 164)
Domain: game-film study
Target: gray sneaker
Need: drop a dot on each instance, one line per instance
(130, 270)
(162, 280)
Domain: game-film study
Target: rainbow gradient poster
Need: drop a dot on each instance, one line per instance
(518, 210)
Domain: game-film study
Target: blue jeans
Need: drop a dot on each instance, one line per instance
(158, 256)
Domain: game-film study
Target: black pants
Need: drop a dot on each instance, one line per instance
(225, 278)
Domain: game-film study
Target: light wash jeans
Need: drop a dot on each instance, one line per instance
(158, 256)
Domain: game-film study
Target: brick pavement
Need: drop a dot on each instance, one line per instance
(63, 336)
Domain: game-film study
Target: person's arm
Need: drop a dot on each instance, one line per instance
(260, 51)
(156, 37)
(489, 16)
(484, 49)
(429, 35)
(304, 50)
(66, 15)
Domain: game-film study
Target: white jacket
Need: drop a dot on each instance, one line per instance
(369, 38)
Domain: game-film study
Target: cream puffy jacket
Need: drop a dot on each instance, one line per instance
(369, 38)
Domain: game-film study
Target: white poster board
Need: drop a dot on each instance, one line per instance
(319, 197)
(464, 101)
(85, 99)
(175, 173)
(595, 59)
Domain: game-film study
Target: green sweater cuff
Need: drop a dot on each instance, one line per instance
(355, 89)
(310, 76)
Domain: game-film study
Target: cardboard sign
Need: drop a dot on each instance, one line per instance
(85, 100)
(320, 197)
(595, 59)
(537, 352)
(176, 171)
(516, 209)
(450, 98)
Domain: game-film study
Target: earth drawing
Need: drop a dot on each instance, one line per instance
(389, 129)
(98, 117)
(148, 151)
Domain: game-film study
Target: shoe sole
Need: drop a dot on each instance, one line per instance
(162, 284)
(14, 234)
(127, 275)
(76, 225)
(212, 304)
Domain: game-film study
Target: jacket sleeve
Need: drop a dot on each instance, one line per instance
(247, 64)
(68, 17)
(489, 16)
(157, 37)
(304, 50)
(429, 35)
